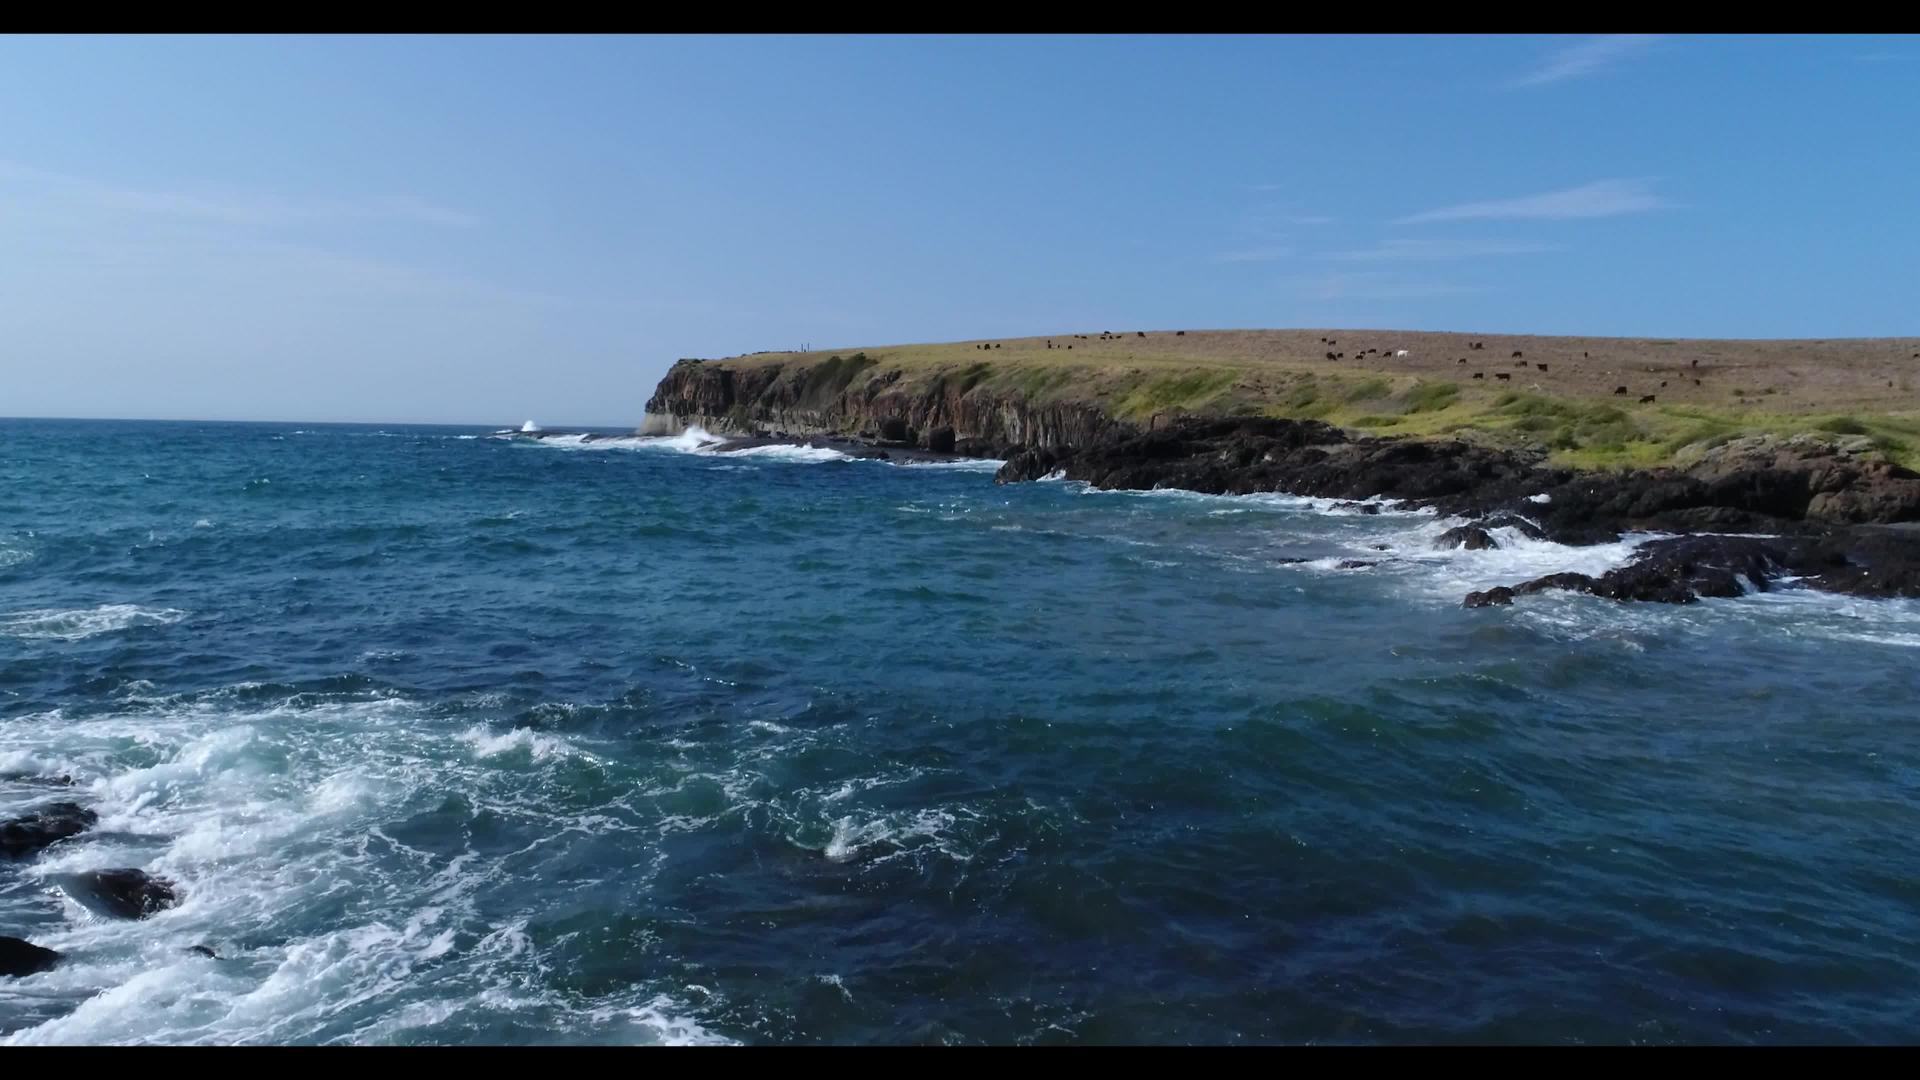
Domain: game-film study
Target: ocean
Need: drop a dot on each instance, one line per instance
(451, 738)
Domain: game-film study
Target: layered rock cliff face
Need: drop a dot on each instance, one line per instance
(859, 397)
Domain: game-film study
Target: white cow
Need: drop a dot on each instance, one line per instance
(1400, 352)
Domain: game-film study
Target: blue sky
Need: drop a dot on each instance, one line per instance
(488, 230)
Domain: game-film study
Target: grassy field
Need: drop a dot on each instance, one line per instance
(1704, 391)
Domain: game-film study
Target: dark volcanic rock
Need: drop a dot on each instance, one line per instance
(18, 957)
(127, 894)
(1471, 537)
(203, 951)
(940, 440)
(1680, 570)
(50, 824)
(1499, 596)
(1356, 564)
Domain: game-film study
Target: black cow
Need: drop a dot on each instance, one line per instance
(1479, 374)
(1620, 391)
(1646, 399)
(1141, 333)
(1516, 353)
(1503, 376)
(1462, 360)
(1542, 367)
(1179, 333)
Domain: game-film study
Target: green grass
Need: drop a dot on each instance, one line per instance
(1190, 391)
(1136, 382)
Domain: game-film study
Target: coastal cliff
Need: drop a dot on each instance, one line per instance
(1754, 496)
(857, 397)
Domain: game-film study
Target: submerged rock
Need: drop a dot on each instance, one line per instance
(63, 780)
(204, 950)
(127, 894)
(50, 824)
(19, 957)
(1470, 537)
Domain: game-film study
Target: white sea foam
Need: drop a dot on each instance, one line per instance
(77, 623)
(281, 827)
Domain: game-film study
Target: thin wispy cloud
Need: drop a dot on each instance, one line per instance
(1415, 250)
(1262, 254)
(237, 208)
(1586, 57)
(1360, 285)
(1602, 198)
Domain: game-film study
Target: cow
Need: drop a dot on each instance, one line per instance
(1462, 360)
(1542, 367)
(1479, 374)
(1141, 333)
(1179, 333)
(1503, 376)
(1620, 391)
(1516, 354)
(1663, 384)
(1400, 352)
(1646, 399)
(1696, 363)
(1330, 355)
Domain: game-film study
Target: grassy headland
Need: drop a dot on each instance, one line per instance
(1704, 392)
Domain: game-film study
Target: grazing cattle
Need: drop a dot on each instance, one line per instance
(996, 344)
(1516, 352)
(1179, 333)
(1696, 363)
(1142, 333)
(1521, 364)
(1400, 352)
(1462, 360)
(1621, 391)
(1479, 374)
(1696, 382)
(1502, 376)
(1542, 367)
(1329, 355)
(1663, 384)
(1583, 356)
(1330, 341)
(1646, 399)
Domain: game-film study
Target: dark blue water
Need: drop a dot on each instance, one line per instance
(450, 739)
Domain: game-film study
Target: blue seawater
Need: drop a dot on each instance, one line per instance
(447, 738)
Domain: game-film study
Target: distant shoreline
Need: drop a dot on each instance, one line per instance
(1397, 415)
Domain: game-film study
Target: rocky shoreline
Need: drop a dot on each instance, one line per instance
(1745, 514)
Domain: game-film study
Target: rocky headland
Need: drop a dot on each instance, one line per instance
(1744, 505)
